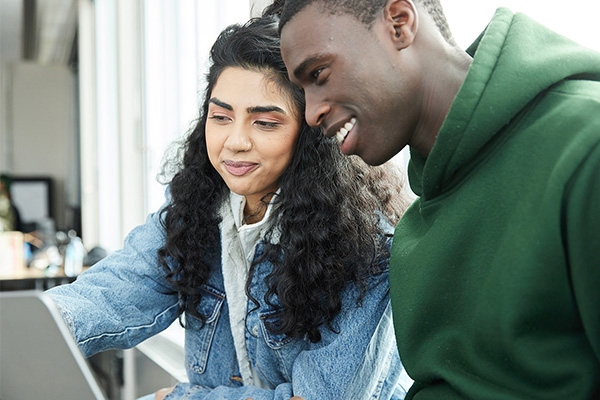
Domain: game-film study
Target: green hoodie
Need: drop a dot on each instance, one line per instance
(495, 273)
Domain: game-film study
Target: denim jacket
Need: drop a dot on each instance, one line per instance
(125, 299)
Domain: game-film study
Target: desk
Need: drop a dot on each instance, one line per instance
(30, 278)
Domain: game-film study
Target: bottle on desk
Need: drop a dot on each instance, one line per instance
(74, 255)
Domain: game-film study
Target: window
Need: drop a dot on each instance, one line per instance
(142, 67)
(578, 21)
(177, 39)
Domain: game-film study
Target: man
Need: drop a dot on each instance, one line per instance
(496, 266)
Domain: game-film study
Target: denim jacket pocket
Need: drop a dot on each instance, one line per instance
(198, 337)
(274, 340)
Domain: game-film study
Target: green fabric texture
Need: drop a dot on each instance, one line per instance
(495, 270)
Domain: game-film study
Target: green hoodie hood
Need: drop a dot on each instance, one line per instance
(514, 68)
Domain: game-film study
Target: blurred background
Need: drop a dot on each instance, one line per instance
(93, 92)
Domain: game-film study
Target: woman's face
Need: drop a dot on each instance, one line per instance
(251, 129)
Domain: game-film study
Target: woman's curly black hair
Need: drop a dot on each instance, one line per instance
(324, 215)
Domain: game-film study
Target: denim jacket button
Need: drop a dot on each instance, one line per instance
(255, 330)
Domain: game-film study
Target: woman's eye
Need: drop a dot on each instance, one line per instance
(219, 118)
(267, 124)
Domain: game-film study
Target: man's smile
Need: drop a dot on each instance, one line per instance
(343, 131)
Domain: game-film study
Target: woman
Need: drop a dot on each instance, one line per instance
(268, 243)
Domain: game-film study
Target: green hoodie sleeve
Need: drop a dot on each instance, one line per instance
(581, 229)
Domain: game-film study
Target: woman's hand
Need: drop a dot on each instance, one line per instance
(160, 394)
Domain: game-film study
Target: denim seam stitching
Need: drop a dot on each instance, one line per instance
(383, 377)
(129, 328)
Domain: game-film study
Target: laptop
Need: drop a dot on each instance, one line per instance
(39, 358)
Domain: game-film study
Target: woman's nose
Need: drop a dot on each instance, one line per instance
(238, 140)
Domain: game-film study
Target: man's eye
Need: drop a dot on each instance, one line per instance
(315, 74)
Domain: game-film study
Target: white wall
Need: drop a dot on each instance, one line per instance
(5, 140)
(10, 51)
(257, 6)
(42, 128)
(577, 19)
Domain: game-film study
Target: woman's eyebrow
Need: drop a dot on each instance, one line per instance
(265, 109)
(220, 103)
(250, 110)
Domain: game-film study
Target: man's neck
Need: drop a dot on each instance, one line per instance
(443, 81)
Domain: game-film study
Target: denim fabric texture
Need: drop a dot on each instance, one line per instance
(126, 299)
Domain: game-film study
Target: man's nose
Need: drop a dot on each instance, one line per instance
(316, 110)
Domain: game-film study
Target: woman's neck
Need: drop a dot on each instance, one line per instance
(255, 208)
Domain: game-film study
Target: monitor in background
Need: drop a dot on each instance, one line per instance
(32, 197)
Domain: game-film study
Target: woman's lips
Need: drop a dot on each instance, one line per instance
(239, 168)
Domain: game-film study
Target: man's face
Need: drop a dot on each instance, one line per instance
(355, 87)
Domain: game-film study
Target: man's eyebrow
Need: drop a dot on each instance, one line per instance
(265, 109)
(301, 69)
(220, 103)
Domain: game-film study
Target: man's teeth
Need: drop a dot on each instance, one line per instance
(341, 135)
(343, 132)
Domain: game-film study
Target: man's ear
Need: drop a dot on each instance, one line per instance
(402, 21)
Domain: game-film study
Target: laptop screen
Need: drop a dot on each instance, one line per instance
(39, 358)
